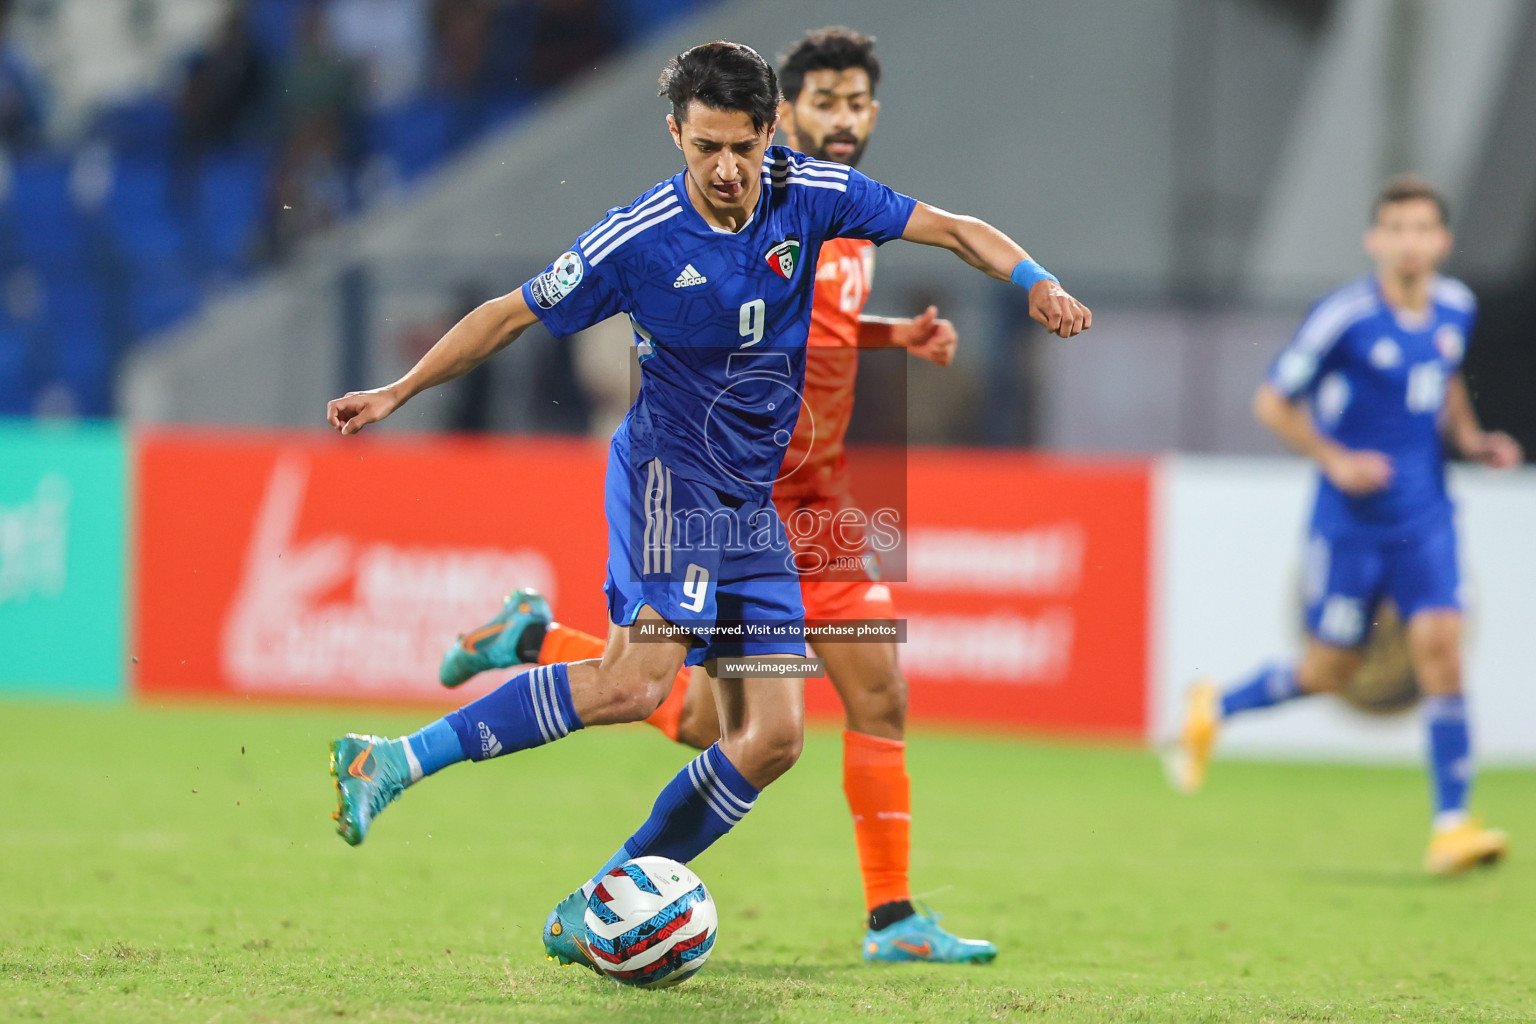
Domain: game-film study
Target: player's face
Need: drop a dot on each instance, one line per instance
(724, 154)
(1408, 239)
(833, 116)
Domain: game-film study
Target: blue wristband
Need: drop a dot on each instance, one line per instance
(1029, 273)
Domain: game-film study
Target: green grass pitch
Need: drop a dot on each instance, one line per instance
(180, 865)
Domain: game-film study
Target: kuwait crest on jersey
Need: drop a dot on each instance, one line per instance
(783, 256)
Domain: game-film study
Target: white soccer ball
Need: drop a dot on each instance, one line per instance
(651, 923)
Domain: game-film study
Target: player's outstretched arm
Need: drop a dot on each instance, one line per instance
(483, 332)
(925, 335)
(995, 254)
(1489, 447)
(1353, 472)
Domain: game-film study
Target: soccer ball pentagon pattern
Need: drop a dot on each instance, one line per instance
(651, 923)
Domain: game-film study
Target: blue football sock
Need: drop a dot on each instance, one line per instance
(432, 748)
(1450, 756)
(1273, 684)
(527, 710)
(699, 805)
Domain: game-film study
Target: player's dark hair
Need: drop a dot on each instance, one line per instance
(828, 49)
(1406, 188)
(722, 76)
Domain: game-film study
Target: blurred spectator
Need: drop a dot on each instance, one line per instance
(461, 35)
(470, 397)
(222, 99)
(570, 38)
(560, 405)
(604, 363)
(319, 85)
(311, 184)
(26, 361)
(283, 116)
(388, 41)
(21, 90)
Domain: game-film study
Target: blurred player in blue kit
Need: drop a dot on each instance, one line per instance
(716, 269)
(1371, 389)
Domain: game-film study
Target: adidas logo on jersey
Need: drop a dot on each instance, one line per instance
(689, 277)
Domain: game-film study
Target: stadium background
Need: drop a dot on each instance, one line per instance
(219, 215)
(208, 227)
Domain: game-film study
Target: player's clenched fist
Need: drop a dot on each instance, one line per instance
(928, 337)
(1358, 472)
(1496, 449)
(356, 409)
(1062, 315)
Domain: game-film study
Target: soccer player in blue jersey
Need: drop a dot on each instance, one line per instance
(1370, 389)
(829, 80)
(715, 268)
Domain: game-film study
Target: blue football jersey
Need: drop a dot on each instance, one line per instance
(720, 318)
(1375, 379)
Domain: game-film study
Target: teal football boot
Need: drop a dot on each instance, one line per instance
(565, 933)
(494, 645)
(370, 772)
(919, 937)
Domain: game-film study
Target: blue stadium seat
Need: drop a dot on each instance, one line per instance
(230, 196)
(17, 390)
(87, 373)
(500, 111)
(139, 210)
(50, 230)
(83, 349)
(77, 311)
(272, 25)
(162, 292)
(141, 127)
(642, 17)
(415, 135)
(10, 239)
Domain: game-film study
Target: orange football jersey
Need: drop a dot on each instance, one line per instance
(814, 462)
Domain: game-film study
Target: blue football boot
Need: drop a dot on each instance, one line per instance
(919, 937)
(565, 933)
(370, 772)
(494, 645)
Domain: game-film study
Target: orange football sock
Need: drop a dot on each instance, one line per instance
(562, 643)
(670, 713)
(880, 796)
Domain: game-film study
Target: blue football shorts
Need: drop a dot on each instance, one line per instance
(1347, 576)
(715, 565)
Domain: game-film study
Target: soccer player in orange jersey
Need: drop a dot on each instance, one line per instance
(829, 110)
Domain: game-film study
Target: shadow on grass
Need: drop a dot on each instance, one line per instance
(1376, 878)
(786, 971)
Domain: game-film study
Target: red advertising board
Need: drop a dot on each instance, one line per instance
(304, 564)
(315, 565)
(1028, 594)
